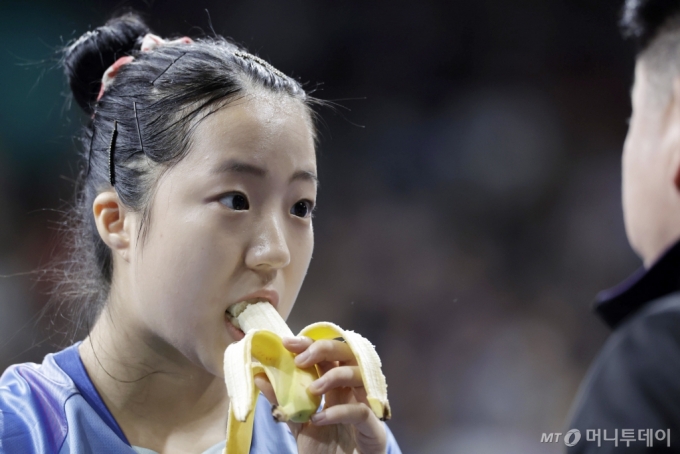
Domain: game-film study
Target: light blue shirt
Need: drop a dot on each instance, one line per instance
(53, 407)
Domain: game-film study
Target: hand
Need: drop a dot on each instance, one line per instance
(346, 424)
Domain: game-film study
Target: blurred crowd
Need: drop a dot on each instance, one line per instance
(469, 207)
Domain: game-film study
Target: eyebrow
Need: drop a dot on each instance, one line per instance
(234, 166)
(305, 175)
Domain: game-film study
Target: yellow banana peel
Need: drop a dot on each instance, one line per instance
(262, 351)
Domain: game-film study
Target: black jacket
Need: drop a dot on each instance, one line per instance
(634, 383)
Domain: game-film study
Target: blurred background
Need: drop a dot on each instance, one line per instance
(469, 209)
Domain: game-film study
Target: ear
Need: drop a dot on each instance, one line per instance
(113, 222)
(674, 124)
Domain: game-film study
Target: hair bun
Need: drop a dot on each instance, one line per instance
(90, 55)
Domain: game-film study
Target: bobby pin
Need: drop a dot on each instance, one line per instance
(139, 131)
(89, 155)
(114, 133)
(173, 62)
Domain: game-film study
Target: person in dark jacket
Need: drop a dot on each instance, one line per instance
(630, 399)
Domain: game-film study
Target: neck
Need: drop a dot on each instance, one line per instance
(153, 391)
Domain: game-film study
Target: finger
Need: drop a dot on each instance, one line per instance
(262, 382)
(325, 366)
(360, 395)
(325, 350)
(370, 434)
(338, 396)
(297, 344)
(337, 377)
(359, 415)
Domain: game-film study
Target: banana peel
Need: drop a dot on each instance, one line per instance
(262, 351)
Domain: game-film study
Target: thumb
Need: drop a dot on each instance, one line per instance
(262, 382)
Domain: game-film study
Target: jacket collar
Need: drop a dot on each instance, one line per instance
(662, 278)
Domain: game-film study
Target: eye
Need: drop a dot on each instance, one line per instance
(302, 209)
(236, 201)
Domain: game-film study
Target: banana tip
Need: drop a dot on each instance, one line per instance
(387, 412)
(278, 414)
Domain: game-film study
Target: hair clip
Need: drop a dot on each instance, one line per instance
(89, 155)
(164, 71)
(114, 133)
(266, 64)
(139, 131)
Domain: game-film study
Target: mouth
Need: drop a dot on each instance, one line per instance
(235, 333)
(232, 312)
(236, 309)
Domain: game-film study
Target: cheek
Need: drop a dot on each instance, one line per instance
(641, 189)
(301, 256)
(181, 275)
(634, 168)
(629, 179)
(182, 283)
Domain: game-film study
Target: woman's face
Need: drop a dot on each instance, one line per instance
(230, 222)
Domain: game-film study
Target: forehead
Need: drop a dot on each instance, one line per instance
(273, 131)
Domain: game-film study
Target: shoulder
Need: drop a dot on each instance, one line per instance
(634, 379)
(392, 445)
(32, 400)
(655, 312)
(647, 342)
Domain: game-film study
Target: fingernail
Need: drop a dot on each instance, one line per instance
(302, 357)
(294, 339)
(316, 386)
(318, 417)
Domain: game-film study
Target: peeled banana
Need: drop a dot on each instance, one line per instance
(264, 329)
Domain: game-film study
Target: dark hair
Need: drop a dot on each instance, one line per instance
(641, 20)
(154, 103)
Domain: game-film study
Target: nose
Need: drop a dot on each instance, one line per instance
(269, 250)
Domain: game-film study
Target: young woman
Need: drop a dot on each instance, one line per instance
(197, 192)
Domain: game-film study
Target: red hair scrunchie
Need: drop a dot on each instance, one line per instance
(149, 43)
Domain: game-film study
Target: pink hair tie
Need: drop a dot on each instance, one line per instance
(111, 72)
(149, 43)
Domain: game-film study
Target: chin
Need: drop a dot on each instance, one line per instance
(635, 246)
(647, 251)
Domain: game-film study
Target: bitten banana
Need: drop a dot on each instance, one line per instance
(264, 328)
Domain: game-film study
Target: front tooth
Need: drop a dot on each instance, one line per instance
(237, 308)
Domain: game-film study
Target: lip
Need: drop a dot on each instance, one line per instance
(269, 295)
(235, 333)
